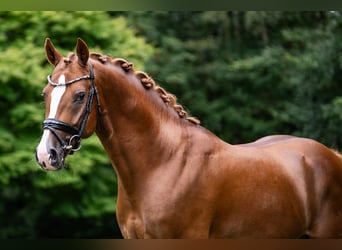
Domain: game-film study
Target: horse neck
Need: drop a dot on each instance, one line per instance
(130, 128)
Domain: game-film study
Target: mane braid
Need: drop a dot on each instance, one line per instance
(148, 83)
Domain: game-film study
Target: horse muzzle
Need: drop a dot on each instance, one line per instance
(49, 157)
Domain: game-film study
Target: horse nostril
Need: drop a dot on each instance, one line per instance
(53, 157)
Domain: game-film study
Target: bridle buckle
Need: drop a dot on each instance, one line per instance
(76, 146)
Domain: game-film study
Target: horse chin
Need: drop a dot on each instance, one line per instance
(49, 166)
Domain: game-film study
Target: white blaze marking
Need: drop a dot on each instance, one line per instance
(56, 96)
(43, 155)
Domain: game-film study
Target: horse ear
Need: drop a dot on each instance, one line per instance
(52, 55)
(82, 52)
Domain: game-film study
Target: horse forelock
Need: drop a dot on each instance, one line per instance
(71, 57)
(148, 83)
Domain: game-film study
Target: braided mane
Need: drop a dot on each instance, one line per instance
(148, 83)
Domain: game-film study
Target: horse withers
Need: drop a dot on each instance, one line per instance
(175, 178)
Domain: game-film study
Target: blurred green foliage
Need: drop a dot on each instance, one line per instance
(244, 74)
(251, 74)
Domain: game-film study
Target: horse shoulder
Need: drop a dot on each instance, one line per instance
(188, 184)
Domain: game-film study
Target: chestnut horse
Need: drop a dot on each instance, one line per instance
(175, 178)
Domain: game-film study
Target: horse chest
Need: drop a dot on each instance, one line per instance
(150, 224)
(160, 218)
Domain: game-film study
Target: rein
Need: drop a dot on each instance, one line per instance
(52, 124)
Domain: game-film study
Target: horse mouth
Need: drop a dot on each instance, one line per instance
(52, 167)
(50, 161)
(49, 167)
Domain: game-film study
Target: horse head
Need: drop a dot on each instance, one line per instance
(69, 103)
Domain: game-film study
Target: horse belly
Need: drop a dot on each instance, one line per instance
(259, 225)
(254, 221)
(262, 203)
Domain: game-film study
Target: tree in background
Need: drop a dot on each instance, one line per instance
(68, 203)
(251, 74)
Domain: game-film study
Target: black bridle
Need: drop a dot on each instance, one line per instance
(74, 143)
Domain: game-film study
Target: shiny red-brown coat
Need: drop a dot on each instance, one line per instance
(178, 180)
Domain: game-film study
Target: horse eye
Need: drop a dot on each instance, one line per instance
(79, 97)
